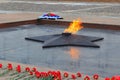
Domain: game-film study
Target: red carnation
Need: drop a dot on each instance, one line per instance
(54, 74)
(34, 69)
(1, 65)
(46, 74)
(87, 78)
(113, 78)
(43, 74)
(66, 74)
(37, 74)
(59, 75)
(31, 73)
(117, 77)
(49, 73)
(18, 68)
(27, 69)
(79, 74)
(10, 67)
(96, 76)
(73, 76)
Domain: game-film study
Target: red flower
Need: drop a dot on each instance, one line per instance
(27, 69)
(113, 78)
(10, 67)
(95, 76)
(1, 65)
(49, 73)
(18, 68)
(107, 78)
(79, 74)
(117, 77)
(31, 73)
(43, 74)
(34, 69)
(73, 76)
(65, 74)
(54, 74)
(37, 74)
(59, 75)
(86, 78)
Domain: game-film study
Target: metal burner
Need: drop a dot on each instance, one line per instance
(66, 34)
(66, 39)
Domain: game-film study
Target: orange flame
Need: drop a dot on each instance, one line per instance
(74, 53)
(75, 26)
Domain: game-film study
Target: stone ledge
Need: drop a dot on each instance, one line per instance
(56, 22)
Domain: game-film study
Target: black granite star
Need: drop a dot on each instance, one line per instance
(66, 39)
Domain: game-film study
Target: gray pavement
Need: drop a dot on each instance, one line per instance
(79, 8)
(104, 61)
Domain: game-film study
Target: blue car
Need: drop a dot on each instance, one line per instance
(50, 16)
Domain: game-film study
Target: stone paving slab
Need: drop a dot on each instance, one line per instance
(15, 17)
(7, 18)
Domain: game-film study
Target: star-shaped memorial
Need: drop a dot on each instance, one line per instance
(66, 39)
